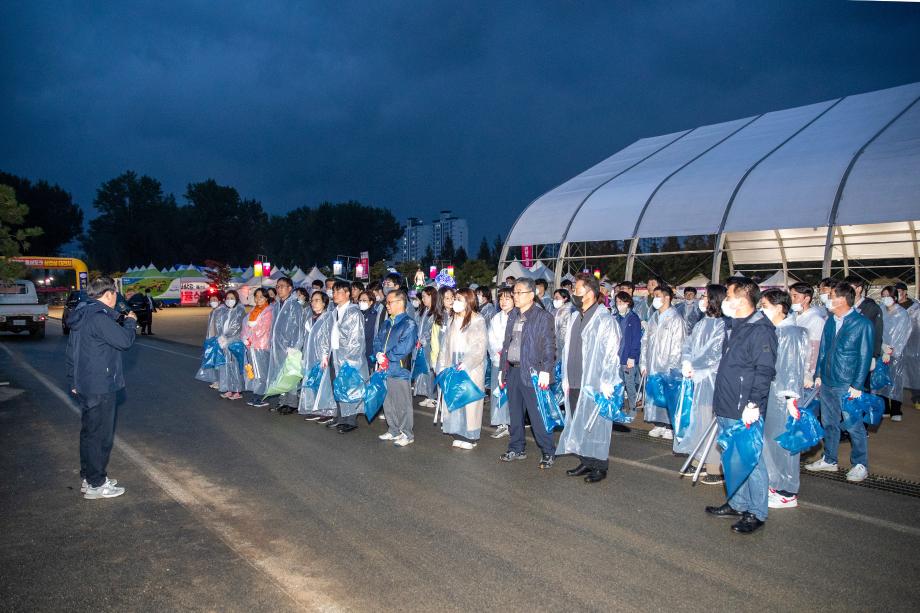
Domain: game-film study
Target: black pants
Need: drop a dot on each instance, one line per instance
(592, 463)
(146, 324)
(523, 399)
(97, 433)
(892, 407)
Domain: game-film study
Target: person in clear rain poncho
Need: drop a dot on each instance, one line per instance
(318, 406)
(230, 375)
(425, 319)
(218, 311)
(661, 352)
(562, 312)
(347, 342)
(786, 389)
(500, 416)
(910, 357)
(700, 359)
(257, 334)
(590, 365)
(895, 335)
(287, 336)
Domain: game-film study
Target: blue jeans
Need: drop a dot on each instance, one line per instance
(752, 495)
(831, 418)
(630, 384)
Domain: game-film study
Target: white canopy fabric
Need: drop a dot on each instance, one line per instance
(541, 271)
(766, 179)
(778, 280)
(313, 275)
(515, 269)
(698, 282)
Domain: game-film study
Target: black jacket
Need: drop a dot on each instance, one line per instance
(747, 367)
(94, 348)
(869, 309)
(538, 343)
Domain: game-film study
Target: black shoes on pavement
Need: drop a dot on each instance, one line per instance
(596, 475)
(724, 511)
(579, 471)
(345, 428)
(747, 524)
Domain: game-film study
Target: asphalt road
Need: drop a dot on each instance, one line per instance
(233, 508)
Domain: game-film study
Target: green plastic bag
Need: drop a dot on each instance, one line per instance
(289, 377)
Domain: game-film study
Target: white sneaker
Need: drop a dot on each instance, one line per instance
(106, 490)
(382, 417)
(656, 432)
(857, 473)
(777, 501)
(895, 418)
(85, 485)
(464, 445)
(214, 386)
(821, 466)
(429, 402)
(501, 431)
(386, 436)
(668, 434)
(402, 440)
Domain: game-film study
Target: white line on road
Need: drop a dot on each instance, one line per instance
(184, 355)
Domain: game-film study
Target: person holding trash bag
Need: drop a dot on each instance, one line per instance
(630, 346)
(316, 399)
(256, 335)
(896, 332)
(230, 374)
(218, 310)
(426, 318)
(590, 365)
(347, 343)
(785, 391)
(741, 393)
(843, 367)
(530, 344)
(500, 417)
(393, 350)
(287, 337)
(661, 349)
(464, 348)
(700, 359)
(910, 357)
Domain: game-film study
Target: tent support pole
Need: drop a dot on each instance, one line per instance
(828, 252)
(717, 258)
(843, 252)
(631, 258)
(913, 235)
(782, 255)
(560, 263)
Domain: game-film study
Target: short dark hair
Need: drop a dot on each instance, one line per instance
(803, 288)
(845, 290)
(656, 279)
(485, 291)
(566, 283)
(541, 283)
(317, 284)
(98, 287)
(259, 290)
(401, 294)
(285, 280)
(147, 291)
(625, 297)
(827, 282)
(374, 286)
(303, 292)
(340, 284)
(628, 284)
(358, 285)
(715, 294)
(855, 281)
(591, 282)
(692, 290)
(901, 286)
(235, 295)
(394, 277)
(778, 297)
(746, 287)
(664, 288)
(566, 294)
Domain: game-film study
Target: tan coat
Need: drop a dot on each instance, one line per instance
(475, 339)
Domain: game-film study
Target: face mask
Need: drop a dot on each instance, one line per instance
(702, 306)
(364, 305)
(230, 302)
(796, 308)
(415, 302)
(480, 300)
(329, 293)
(768, 312)
(577, 300)
(622, 310)
(301, 301)
(825, 299)
(656, 303)
(558, 302)
(729, 308)
(887, 301)
(459, 306)
(387, 290)
(214, 304)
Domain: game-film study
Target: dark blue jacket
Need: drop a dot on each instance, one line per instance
(94, 348)
(538, 343)
(631, 336)
(845, 357)
(399, 335)
(747, 367)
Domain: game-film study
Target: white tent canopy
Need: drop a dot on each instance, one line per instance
(698, 281)
(540, 271)
(779, 279)
(314, 275)
(515, 269)
(836, 179)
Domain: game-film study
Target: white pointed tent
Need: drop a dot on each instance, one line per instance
(698, 281)
(514, 269)
(247, 274)
(778, 280)
(541, 271)
(313, 275)
(298, 277)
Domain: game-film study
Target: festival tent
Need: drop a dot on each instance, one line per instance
(778, 280)
(298, 277)
(515, 269)
(698, 281)
(540, 271)
(314, 275)
(247, 274)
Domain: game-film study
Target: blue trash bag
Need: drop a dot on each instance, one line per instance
(488, 381)
(500, 397)
(679, 394)
(457, 389)
(880, 377)
(374, 393)
(213, 355)
(611, 408)
(556, 388)
(801, 434)
(868, 408)
(313, 378)
(348, 386)
(741, 448)
(238, 349)
(655, 390)
(547, 405)
(420, 365)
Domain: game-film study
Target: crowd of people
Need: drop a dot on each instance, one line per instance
(751, 355)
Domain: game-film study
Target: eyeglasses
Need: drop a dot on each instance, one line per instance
(522, 293)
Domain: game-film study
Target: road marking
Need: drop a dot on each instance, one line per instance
(260, 561)
(184, 355)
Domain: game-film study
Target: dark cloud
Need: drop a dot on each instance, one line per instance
(417, 106)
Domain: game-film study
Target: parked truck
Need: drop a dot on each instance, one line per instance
(20, 310)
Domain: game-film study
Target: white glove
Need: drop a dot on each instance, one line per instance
(792, 408)
(886, 348)
(855, 393)
(565, 389)
(222, 341)
(686, 370)
(886, 358)
(607, 390)
(872, 364)
(809, 381)
(501, 384)
(818, 382)
(381, 356)
(750, 414)
(630, 363)
(543, 380)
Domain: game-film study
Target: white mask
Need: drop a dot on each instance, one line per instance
(364, 305)
(480, 300)
(558, 302)
(622, 310)
(415, 302)
(702, 306)
(329, 293)
(797, 307)
(657, 302)
(887, 301)
(214, 304)
(230, 302)
(768, 312)
(729, 308)
(826, 299)
(459, 306)
(301, 301)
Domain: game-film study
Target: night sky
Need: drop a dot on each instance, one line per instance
(414, 106)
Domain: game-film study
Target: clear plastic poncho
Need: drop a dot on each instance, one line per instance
(600, 361)
(561, 322)
(230, 375)
(257, 335)
(813, 321)
(287, 332)
(465, 346)
(424, 384)
(791, 364)
(209, 375)
(351, 349)
(911, 354)
(661, 352)
(317, 345)
(896, 334)
(499, 412)
(703, 350)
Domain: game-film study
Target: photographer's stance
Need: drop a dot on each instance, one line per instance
(95, 375)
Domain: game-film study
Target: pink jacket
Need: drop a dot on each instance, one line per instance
(257, 334)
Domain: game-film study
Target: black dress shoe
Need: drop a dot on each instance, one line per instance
(747, 524)
(578, 471)
(346, 428)
(332, 424)
(596, 475)
(724, 511)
